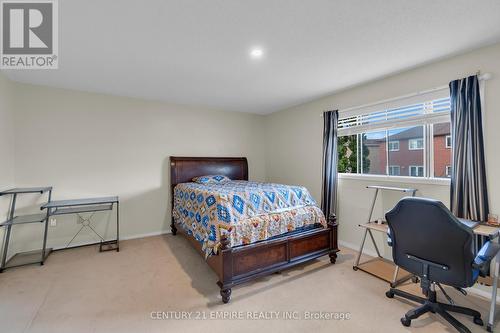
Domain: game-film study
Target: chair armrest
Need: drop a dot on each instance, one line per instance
(484, 257)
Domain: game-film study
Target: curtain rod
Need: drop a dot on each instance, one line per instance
(482, 77)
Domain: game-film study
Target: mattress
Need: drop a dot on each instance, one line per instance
(247, 212)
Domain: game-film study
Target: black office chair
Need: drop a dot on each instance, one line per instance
(428, 241)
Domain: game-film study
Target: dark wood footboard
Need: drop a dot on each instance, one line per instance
(245, 263)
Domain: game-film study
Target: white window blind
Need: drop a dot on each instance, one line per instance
(397, 113)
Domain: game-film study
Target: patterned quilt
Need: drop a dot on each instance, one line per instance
(246, 211)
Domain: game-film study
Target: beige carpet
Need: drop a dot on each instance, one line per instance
(81, 290)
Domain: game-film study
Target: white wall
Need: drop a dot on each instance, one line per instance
(6, 146)
(88, 145)
(93, 145)
(295, 136)
(6, 134)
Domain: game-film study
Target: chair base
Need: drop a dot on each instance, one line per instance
(430, 304)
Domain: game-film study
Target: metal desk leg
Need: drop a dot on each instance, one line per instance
(42, 259)
(117, 226)
(374, 243)
(114, 244)
(395, 276)
(373, 206)
(370, 220)
(45, 233)
(7, 236)
(5, 248)
(493, 305)
(356, 264)
(360, 250)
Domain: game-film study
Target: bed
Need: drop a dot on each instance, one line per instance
(246, 230)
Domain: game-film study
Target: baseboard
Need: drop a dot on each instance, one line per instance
(472, 290)
(4, 188)
(482, 293)
(148, 234)
(355, 247)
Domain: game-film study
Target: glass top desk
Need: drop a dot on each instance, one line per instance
(87, 205)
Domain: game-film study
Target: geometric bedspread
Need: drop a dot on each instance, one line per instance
(247, 212)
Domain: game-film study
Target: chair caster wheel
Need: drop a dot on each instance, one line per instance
(354, 268)
(406, 322)
(389, 294)
(478, 321)
(489, 328)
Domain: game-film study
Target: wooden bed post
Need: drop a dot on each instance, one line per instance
(173, 182)
(173, 227)
(227, 268)
(333, 226)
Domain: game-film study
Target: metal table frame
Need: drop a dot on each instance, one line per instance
(88, 205)
(23, 258)
(368, 230)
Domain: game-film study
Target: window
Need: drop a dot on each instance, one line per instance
(373, 146)
(393, 145)
(448, 141)
(347, 147)
(416, 144)
(448, 171)
(416, 171)
(394, 170)
(409, 139)
(442, 154)
(406, 157)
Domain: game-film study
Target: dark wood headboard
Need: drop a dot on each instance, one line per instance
(183, 169)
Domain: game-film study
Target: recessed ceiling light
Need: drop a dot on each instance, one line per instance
(256, 53)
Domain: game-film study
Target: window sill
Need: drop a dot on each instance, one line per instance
(397, 179)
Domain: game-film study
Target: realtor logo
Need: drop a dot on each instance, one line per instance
(29, 34)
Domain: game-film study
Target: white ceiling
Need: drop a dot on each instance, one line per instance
(196, 52)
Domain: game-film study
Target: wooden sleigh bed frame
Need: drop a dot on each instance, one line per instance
(244, 263)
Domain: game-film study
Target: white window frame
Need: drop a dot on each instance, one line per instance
(417, 140)
(397, 168)
(392, 148)
(417, 168)
(448, 171)
(446, 141)
(393, 121)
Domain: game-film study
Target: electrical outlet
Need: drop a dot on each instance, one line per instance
(53, 222)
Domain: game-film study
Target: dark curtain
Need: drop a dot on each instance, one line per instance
(469, 193)
(329, 181)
